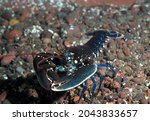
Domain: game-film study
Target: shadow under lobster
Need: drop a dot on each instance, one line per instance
(27, 91)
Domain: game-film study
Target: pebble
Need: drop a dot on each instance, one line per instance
(47, 49)
(112, 45)
(13, 22)
(29, 58)
(116, 85)
(124, 93)
(144, 101)
(76, 98)
(3, 22)
(25, 14)
(135, 9)
(1, 41)
(3, 96)
(90, 82)
(7, 59)
(74, 31)
(146, 55)
(138, 80)
(99, 94)
(20, 70)
(126, 51)
(13, 35)
(7, 14)
(67, 43)
(46, 40)
(48, 18)
(73, 16)
(148, 92)
(33, 93)
(120, 54)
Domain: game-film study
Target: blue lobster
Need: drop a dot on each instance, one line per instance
(76, 64)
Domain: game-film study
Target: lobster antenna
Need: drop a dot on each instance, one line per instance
(27, 54)
(19, 54)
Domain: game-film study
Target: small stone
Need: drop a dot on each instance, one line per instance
(57, 24)
(25, 15)
(7, 14)
(74, 31)
(48, 49)
(29, 58)
(7, 59)
(67, 44)
(148, 92)
(46, 40)
(46, 34)
(111, 45)
(120, 54)
(99, 94)
(76, 98)
(48, 18)
(33, 93)
(126, 51)
(3, 96)
(1, 41)
(146, 55)
(90, 82)
(73, 16)
(116, 85)
(135, 9)
(148, 25)
(138, 80)
(124, 93)
(13, 35)
(13, 22)
(20, 70)
(129, 43)
(3, 22)
(143, 101)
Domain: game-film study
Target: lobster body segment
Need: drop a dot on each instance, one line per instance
(75, 66)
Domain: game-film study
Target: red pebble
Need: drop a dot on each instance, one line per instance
(25, 15)
(76, 98)
(3, 96)
(13, 34)
(7, 59)
(148, 92)
(67, 44)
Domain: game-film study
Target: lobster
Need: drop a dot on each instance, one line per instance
(75, 65)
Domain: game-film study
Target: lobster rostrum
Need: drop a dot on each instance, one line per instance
(76, 64)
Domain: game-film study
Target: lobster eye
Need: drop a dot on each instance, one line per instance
(129, 30)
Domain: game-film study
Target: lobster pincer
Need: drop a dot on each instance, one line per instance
(53, 75)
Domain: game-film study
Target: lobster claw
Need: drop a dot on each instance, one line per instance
(74, 80)
(51, 78)
(42, 64)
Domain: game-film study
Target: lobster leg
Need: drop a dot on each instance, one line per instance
(84, 89)
(94, 85)
(100, 83)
